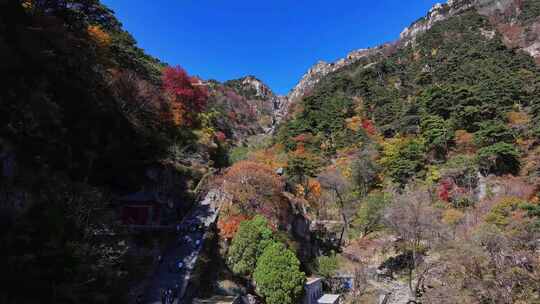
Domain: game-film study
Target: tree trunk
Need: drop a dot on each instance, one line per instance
(412, 269)
(341, 236)
(343, 216)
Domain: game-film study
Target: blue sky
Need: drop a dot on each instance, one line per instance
(274, 40)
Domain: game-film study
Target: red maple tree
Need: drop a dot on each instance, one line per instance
(368, 126)
(229, 225)
(186, 98)
(444, 190)
(220, 136)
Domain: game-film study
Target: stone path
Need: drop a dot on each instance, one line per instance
(398, 292)
(169, 275)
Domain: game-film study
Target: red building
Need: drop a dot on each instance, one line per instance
(140, 209)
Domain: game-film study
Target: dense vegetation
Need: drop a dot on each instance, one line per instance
(248, 244)
(278, 276)
(256, 252)
(454, 78)
(421, 161)
(73, 117)
(432, 141)
(87, 116)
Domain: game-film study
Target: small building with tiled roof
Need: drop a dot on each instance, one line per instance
(140, 209)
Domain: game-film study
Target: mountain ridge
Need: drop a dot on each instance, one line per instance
(439, 12)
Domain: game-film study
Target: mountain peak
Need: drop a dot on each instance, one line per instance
(250, 87)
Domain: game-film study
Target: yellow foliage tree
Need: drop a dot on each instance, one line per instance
(433, 175)
(518, 118)
(354, 123)
(391, 148)
(501, 214)
(452, 217)
(99, 36)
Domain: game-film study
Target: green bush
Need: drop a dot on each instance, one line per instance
(278, 277)
(535, 121)
(248, 244)
(533, 211)
(300, 167)
(530, 10)
(369, 215)
(324, 116)
(327, 265)
(492, 132)
(463, 169)
(500, 214)
(437, 133)
(238, 153)
(500, 158)
(403, 158)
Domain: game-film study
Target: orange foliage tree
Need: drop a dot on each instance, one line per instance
(254, 188)
(99, 36)
(354, 123)
(229, 225)
(274, 157)
(464, 140)
(312, 193)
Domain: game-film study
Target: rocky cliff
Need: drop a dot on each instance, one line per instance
(322, 68)
(269, 107)
(251, 88)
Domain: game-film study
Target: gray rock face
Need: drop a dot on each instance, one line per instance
(264, 100)
(281, 109)
(261, 90)
(437, 13)
(392, 291)
(322, 69)
(516, 33)
(533, 49)
(491, 7)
